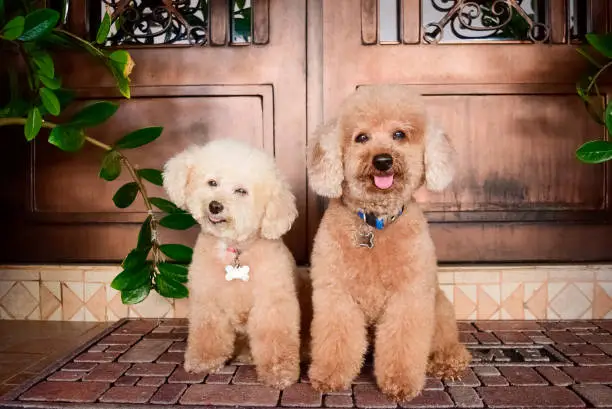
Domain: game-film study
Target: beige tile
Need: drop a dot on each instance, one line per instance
(181, 307)
(57, 315)
(18, 302)
(587, 289)
(54, 288)
(49, 303)
(154, 306)
(18, 274)
(446, 277)
(570, 303)
(536, 300)
(101, 274)
(488, 301)
(35, 315)
(587, 315)
(89, 289)
(33, 287)
(96, 303)
(603, 273)
(71, 303)
(569, 273)
(5, 286)
(602, 302)
(477, 277)
(465, 304)
(114, 305)
(4, 315)
(523, 275)
(61, 274)
(513, 300)
(79, 315)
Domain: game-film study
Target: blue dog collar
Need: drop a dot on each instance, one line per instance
(378, 222)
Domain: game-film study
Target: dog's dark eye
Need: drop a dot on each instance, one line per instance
(240, 191)
(212, 183)
(361, 138)
(399, 135)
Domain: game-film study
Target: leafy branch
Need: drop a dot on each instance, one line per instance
(596, 151)
(33, 35)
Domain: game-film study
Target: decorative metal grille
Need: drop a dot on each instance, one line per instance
(488, 19)
(148, 22)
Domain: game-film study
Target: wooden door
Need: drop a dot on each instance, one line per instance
(507, 99)
(226, 79)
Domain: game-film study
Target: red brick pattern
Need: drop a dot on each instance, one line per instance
(516, 364)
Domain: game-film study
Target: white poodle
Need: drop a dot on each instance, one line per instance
(242, 278)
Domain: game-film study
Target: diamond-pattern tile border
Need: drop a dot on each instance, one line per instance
(528, 292)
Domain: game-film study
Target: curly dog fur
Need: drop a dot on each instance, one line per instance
(392, 288)
(241, 202)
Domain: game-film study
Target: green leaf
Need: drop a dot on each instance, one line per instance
(44, 63)
(144, 235)
(67, 138)
(111, 166)
(152, 175)
(601, 42)
(175, 272)
(124, 86)
(65, 96)
(608, 117)
(130, 279)
(126, 195)
(165, 205)
(104, 29)
(33, 124)
(1, 11)
(595, 151)
(139, 137)
(136, 295)
(240, 4)
(94, 114)
(14, 28)
(170, 288)
(38, 23)
(178, 221)
(50, 101)
(178, 252)
(135, 260)
(51, 83)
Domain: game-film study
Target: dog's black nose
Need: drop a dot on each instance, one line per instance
(382, 162)
(215, 207)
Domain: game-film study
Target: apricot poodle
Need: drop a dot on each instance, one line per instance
(373, 265)
(242, 279)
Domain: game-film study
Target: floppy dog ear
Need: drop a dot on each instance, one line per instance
(440, 158)
(176, 176)
(324, 160)
(280, 211)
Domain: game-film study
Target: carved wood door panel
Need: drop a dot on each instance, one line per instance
(204, 69)
(501, 80)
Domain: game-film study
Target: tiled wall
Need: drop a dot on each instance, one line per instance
(80, 293)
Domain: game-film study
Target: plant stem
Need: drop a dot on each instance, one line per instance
(82, 42)
(98, 143)
(597, 74)
(22, 121)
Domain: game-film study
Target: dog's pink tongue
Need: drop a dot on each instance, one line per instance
(383, 182)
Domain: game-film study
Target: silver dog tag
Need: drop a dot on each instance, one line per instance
(365, 239)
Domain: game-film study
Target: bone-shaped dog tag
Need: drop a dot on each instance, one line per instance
(237, 273)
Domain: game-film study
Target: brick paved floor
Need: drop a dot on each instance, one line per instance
(516, 364)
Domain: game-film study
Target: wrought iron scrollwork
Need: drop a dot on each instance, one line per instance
(484, 19)
(149, 22)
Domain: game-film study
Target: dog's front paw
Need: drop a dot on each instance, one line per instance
(326, 381)
(195, 364)
(449, 362)
(401, 386)
(279, 375)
